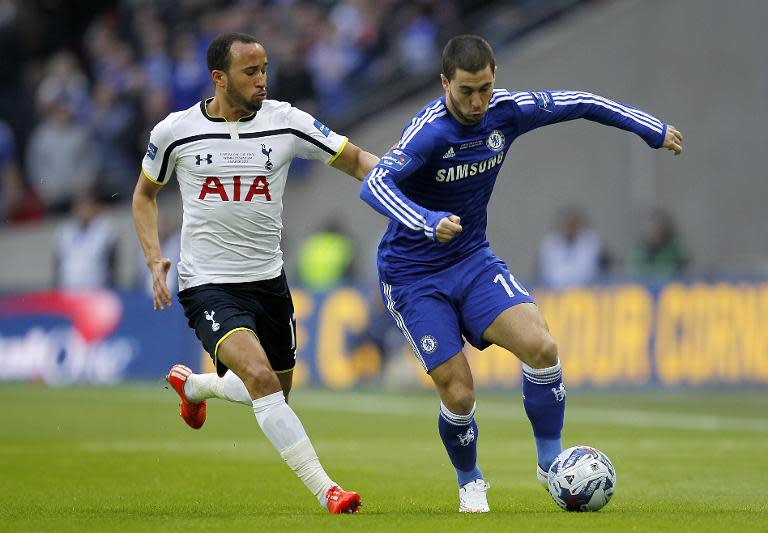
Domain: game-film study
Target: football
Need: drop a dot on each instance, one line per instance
(581, 478)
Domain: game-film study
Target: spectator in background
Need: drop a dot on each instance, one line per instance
(190, 81)
(325, 257)
(86, 247)
(417, 40)
(16, 203)
(63, 80)
(572, 254)
(61, 156)
(113, 122)
(658, 253)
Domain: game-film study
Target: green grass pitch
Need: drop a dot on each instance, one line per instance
(120, 459)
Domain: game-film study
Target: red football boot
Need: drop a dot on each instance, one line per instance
(341, 501)
(192, 413)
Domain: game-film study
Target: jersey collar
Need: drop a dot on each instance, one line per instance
(221, 119)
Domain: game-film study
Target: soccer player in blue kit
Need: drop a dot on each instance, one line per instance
(439, 278)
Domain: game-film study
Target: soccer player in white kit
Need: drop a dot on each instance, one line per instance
(231, 155)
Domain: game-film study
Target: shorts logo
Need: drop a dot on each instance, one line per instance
(428, 343)
(495, 141)
(214, 325)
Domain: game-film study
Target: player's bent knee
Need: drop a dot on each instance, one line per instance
(259, 379)
(459, 398)
(544, 354)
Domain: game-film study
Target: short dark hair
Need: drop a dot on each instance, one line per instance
(217, 56)
(467, 52)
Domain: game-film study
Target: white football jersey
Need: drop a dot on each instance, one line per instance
(232, 177)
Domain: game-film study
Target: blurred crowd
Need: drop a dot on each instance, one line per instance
(94, 94)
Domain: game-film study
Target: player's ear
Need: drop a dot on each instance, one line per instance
(444, 81)
(219, 78)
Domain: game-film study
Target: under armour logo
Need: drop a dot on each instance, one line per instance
(214, 325)
(559, 392)
(268, 165)
(199, 159)
(467, 437)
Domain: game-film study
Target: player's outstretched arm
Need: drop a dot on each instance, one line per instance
(539, 109)
(144, 210)
(355, 161)
(673, 140)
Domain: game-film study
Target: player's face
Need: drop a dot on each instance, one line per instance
(468, 94)
(247, 76)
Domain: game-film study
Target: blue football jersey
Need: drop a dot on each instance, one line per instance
(441, 167)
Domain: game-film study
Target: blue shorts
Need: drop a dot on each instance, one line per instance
(460, 301)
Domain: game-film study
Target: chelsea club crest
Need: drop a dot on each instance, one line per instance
(428, 343)
(495, 141)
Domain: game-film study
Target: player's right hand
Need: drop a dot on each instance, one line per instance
(161, 296)
(447, 228)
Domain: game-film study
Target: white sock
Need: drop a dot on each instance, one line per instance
(200, 387)
(284, 430)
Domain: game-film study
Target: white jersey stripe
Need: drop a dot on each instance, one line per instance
(433, 115)
(629, 108)
(616, 109)
(420, 118)
(372, 185)
(396, 202)
(407, 216)
(639, 114)
(520, 102)
(636, 112)
(401, 323)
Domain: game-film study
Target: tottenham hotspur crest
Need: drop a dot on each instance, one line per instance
(495, 141)
(268, 165)
(214, 325)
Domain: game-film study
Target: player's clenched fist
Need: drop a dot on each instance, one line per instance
(673, 140)
(447, 228)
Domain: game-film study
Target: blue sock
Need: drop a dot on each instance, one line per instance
(544, 402)
(459, 434)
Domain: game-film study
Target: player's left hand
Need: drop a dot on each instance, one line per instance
(673, 140)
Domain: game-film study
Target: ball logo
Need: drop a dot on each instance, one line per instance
(495, 141)
(428, 343)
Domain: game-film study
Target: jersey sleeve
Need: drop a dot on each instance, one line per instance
(380, 188)
(549, 107)
(159, 161)
(315, 140)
